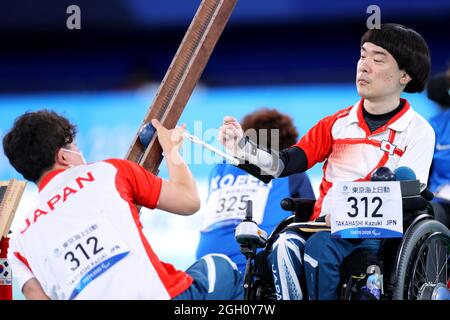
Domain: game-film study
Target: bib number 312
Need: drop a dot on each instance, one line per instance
(83, 250)
(377, 202)
(366, 210)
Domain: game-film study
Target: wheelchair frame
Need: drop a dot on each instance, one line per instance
(399, 283)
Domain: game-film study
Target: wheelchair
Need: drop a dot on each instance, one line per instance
(414, 267)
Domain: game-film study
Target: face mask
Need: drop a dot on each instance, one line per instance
(76, 152)
(439, 90)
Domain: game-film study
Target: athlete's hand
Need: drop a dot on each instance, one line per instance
(230, 133)
(170, 140)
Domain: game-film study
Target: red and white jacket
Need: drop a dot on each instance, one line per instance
(82, 239)
(352, 153)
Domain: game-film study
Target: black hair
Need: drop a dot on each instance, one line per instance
(33, 141)
(408, 48)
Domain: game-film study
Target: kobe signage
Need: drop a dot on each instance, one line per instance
(366, 210)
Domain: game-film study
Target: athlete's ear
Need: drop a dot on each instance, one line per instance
(405, 78)
(61, 158)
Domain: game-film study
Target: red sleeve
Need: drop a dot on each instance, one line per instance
(136, 184)
(318, 141)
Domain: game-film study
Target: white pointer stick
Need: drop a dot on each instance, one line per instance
(196, 140)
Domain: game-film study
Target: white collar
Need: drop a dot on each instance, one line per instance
(399, 124)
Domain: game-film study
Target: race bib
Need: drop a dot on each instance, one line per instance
(85, 255)
(366, 210)
(228, 205)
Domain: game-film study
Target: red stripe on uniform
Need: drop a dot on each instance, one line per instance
(374, 143)
(134, 184)
(174, 281)
(405, 108)
(323, 189)
(361, 122)
(383, 160)
(23, 260)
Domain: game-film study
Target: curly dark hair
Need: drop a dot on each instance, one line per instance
(271, 119)
(33, 141)
(408, 48)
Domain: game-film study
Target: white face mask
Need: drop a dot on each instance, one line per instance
(76, 152)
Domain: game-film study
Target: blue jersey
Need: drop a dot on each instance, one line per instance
(440, 174)
(229, 190)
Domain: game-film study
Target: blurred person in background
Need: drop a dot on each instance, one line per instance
(439, 182)
(230, 188)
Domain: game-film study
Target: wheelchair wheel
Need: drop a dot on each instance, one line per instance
(423, 267)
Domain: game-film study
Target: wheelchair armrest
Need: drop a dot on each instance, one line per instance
(302, 207)
(415, 203)
(414, 188)
(415, 195)
(427, 194)
(293, 204)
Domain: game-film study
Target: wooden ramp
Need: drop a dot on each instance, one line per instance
(10, 194)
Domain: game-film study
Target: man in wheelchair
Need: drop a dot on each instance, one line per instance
(413, 267)
(379, 130)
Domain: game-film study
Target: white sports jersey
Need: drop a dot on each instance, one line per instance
(83, 238)
(353, 153)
